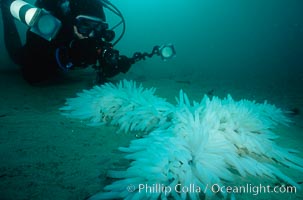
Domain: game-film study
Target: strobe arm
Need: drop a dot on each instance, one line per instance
(165, 51)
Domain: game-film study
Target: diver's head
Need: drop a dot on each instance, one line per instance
(87, 7)
(74, 7)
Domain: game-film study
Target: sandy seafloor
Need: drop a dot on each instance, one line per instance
(44, 155)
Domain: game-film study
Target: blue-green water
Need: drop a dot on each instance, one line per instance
(249, 36)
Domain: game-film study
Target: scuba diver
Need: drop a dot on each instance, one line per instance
(65, 35)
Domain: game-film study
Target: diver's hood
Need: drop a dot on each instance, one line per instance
(73, 7)
(87, 7)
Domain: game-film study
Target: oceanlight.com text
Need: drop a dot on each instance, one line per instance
(252, 189)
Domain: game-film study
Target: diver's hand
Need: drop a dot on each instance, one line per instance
(77, 34)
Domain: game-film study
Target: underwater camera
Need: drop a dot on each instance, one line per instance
(40, 21)
(93, 27)
(108, 55)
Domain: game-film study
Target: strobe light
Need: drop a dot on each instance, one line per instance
(167, 51)
(39, 20)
